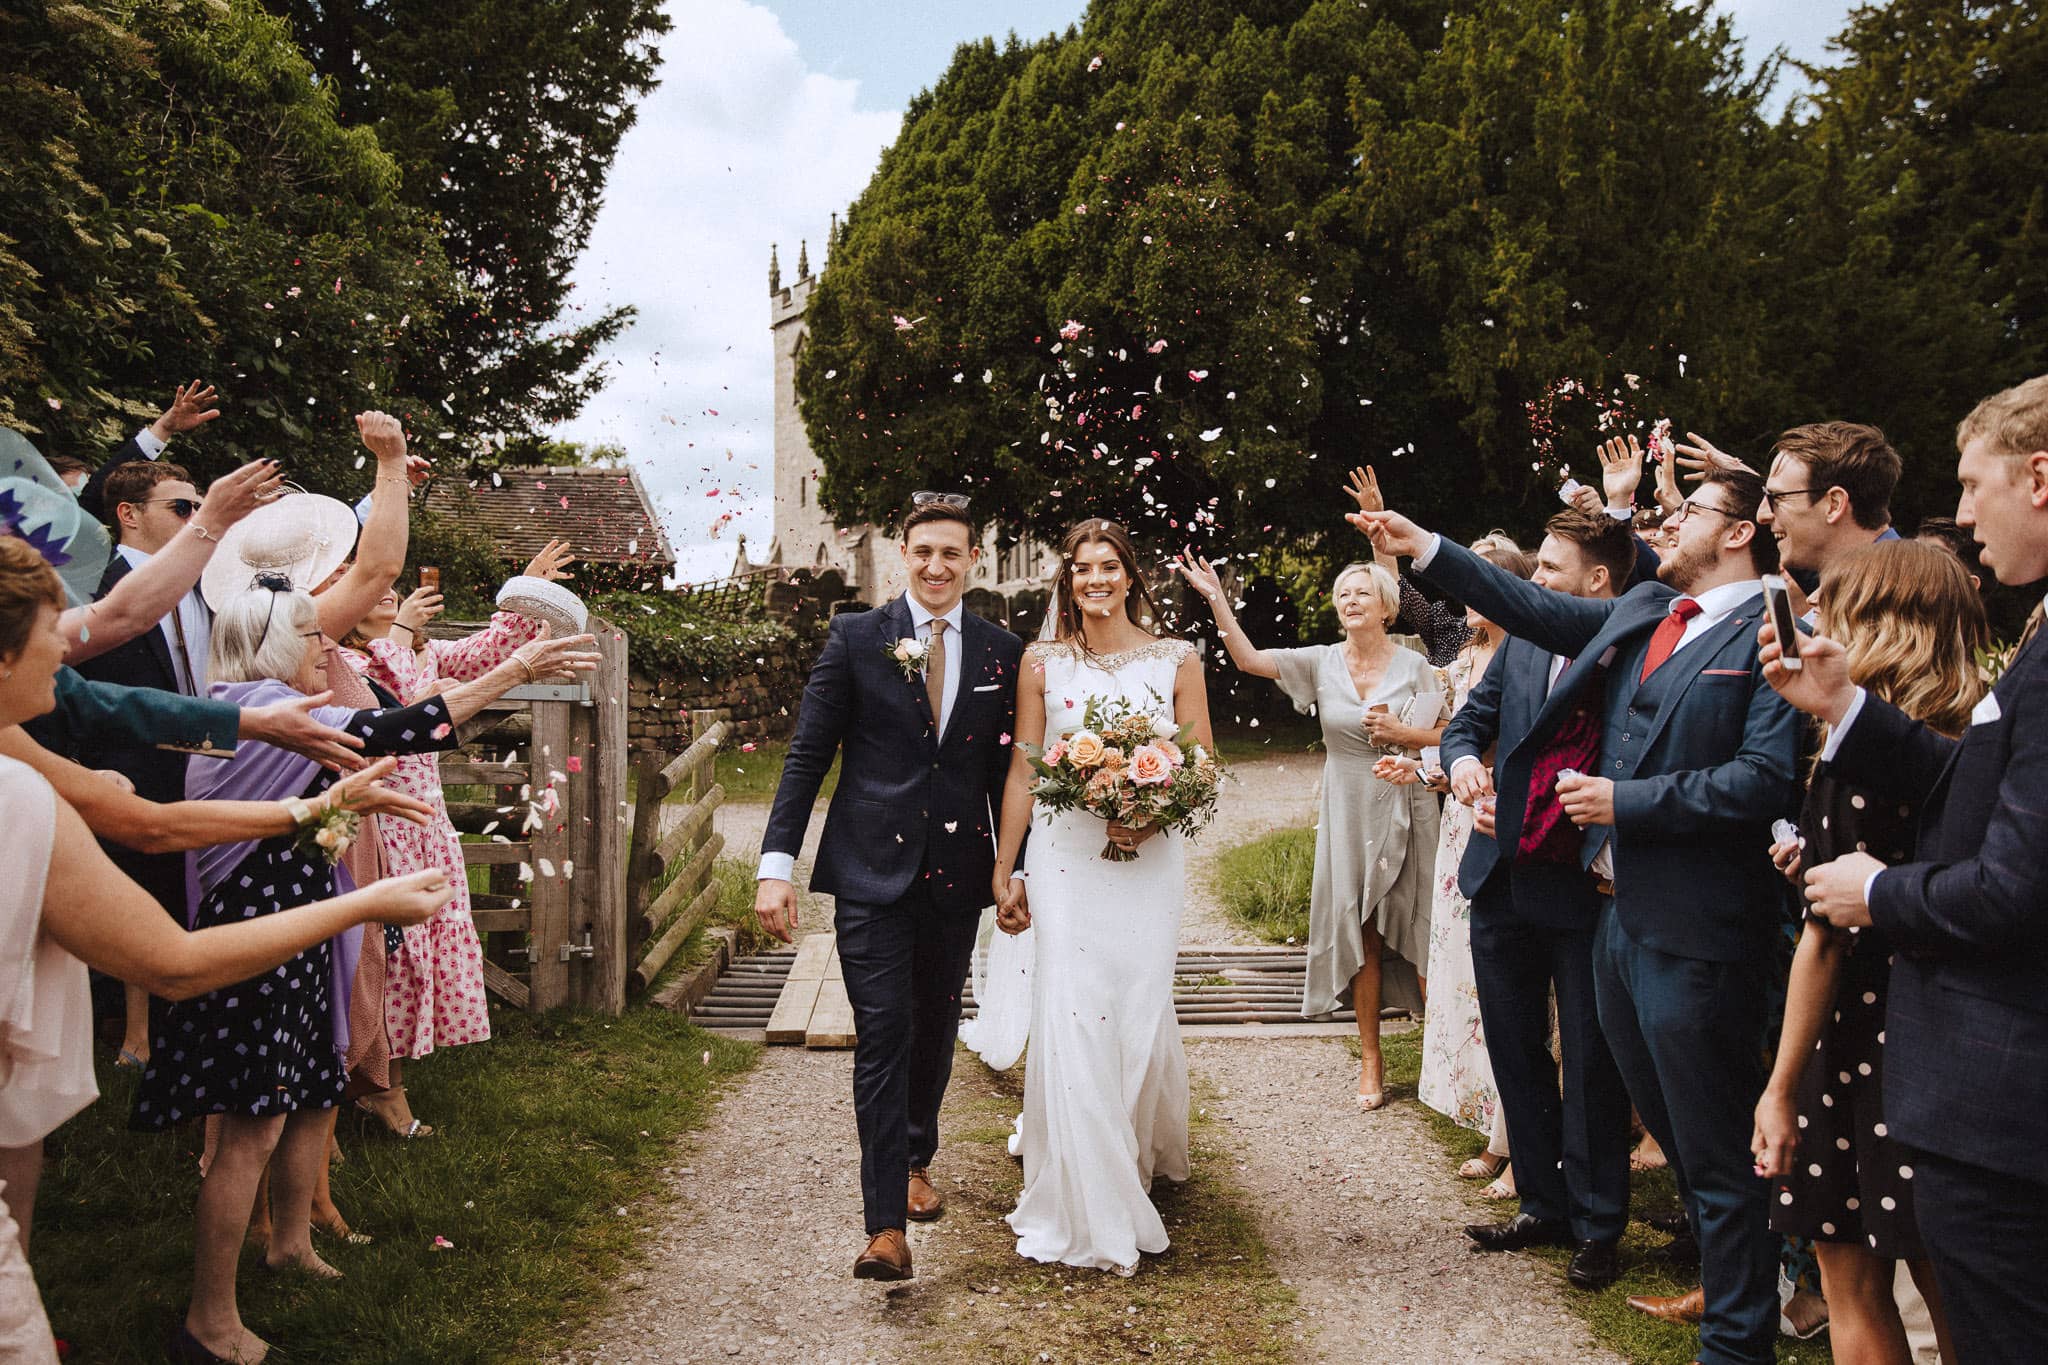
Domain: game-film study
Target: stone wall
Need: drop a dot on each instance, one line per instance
(760, 702)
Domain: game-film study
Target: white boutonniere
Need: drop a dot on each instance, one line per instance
(909, 654)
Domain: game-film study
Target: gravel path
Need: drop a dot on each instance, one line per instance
(1364, 1219)
(1361, 1212)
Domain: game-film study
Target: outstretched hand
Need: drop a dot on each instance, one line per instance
(411, 899)
(1621, 471)
(552, 562)
(233, 496)
(1391, 533)
(382, 434)
(1364, 487)
(1200, 574)
(193, 407)
(291, 725)
(363, 791)
(1703, 457)
(559, 659)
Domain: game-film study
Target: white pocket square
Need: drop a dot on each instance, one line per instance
(1987, 710)
(989, 688)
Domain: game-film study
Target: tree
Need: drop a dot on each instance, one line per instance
(503, 117)
(1283, 238)
(180, 200)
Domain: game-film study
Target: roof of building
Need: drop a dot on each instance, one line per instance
(602, 510)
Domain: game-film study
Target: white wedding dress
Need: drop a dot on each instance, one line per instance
(1106, 1081)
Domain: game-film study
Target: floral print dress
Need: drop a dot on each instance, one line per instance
(434, 993)
(1457, 1076)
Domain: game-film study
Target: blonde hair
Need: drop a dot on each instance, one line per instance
(1385, 586)
(1911, 624)
(261, 634)
(2016, 420)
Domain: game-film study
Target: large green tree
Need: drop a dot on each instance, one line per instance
(503, 117)
(179, 199)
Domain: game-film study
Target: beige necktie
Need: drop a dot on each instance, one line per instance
(935, 674)
(2033, 626)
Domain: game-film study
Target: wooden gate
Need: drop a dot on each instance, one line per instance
(658, 922)
(553, 833)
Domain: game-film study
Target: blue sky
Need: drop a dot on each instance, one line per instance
(770, 116)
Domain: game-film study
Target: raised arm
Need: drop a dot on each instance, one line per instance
(380, 548)
(147, 595)
(1203, 578)
(112, 716)
(98, 915)
(1556, 621)
(543, 659)
(193, 406)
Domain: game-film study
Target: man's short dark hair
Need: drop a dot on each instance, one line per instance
(1601, 539)
(63, 466)
(1852, 457)
(134, 482)
(1744, 492)
(1951, 533)
(932, 512)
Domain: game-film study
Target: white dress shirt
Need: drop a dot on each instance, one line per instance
(782, 866)
(189, 619)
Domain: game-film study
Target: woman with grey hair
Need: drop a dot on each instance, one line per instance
(1375, 841)
(266, 1054)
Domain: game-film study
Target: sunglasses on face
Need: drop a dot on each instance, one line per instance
(181, 508)
(926, 498)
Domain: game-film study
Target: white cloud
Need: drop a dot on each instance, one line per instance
(740, 146)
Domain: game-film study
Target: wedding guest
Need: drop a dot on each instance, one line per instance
(1944, 532)
(67, 906)
(1534, 913)
(1966, 1043)
(433, 983)
(1457, 1077)
(1375, 841)
(72, 470)
(1695, 758)
(266, 1053)
(1829, 491)
(1904, 612)
(191, 407)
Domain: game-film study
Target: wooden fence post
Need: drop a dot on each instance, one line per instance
(599, 981)
(548, 975)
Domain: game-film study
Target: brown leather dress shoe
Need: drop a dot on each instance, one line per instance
(925, 1203)
(1688, 1308)
(887, 1257)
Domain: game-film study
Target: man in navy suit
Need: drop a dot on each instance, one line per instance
(1534, 910)
(1966, 1023)
(917, 697)
(1697, 755)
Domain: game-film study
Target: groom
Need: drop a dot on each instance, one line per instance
(917, 698)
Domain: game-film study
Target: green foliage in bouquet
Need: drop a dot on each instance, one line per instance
(1128, 764)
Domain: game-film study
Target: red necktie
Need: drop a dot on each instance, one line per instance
(1669, 631)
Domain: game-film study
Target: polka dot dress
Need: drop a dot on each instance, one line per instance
(1851, 1182)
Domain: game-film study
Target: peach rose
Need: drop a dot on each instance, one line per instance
(1085, 748)
(1113, 758)
(1150, 766)
(1169, 748)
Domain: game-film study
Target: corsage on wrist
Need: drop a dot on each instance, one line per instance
(325, 831)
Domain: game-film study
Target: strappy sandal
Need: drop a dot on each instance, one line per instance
(413, 1128)
(1485, 1166)
(1504, 1186)
(129, 1060)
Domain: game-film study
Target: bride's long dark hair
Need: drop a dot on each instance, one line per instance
(1139, 605)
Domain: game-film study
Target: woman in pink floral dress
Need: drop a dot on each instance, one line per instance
(434, 988)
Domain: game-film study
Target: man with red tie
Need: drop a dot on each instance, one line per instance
(1697, 755)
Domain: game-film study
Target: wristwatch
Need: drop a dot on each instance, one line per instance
(301, 811)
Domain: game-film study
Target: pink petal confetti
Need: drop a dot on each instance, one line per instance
(1156, 347)
(1198, 375)
(575, 763)
(441, 731)
(1003, 738)
(746, 748)
(440, 1243)
(1072, 330)
(337, 284)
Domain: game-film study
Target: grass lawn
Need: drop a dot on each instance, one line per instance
(751, 776)
(551, 1135)
(1617, 1326)
(1264, 884)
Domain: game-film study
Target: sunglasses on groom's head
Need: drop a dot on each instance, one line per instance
(927, 498)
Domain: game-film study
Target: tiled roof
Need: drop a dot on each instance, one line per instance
(602, 510)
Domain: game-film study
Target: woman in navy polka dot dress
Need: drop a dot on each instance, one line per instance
(1908, 616)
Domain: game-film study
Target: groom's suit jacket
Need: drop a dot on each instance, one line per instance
(910, 803)
(1501, 713)
(1703, 755)
(1966, 1046)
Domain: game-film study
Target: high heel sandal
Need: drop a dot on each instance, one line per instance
(412, 1129)
(185, 1349)
(1370, 1100)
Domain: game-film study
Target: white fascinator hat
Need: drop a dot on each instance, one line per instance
(546, 601)
(304, 536)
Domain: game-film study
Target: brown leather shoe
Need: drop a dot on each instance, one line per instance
(1689, 1308)
(925, 1203)
(887, 1257)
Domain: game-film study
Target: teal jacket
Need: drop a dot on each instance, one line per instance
(105, 714)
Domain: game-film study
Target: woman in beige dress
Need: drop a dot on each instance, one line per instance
(1375, 841)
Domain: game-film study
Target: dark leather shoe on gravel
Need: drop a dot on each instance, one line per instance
(887, 1257)
(925, 1203)
(1517, 1233)
(1594, 1266)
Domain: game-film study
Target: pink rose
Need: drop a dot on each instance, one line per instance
(1150, 766)
(1057, 752)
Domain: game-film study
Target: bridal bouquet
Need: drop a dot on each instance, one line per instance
(1131, 766)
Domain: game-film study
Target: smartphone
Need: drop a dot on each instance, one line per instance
(430, 578)
(1778, 601)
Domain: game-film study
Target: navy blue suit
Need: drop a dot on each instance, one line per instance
(1704, 757)
(1966, 1023)
(908, 853)
(1532, 934)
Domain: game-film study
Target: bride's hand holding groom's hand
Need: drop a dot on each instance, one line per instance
(775, 907)
(1013, 904)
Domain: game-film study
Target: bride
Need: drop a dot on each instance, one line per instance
(1106, 1082)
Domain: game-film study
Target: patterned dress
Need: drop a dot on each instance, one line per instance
(267, 1045)
(1457, 1077)
(434, 989)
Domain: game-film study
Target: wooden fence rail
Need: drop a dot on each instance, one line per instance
(657, 923)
